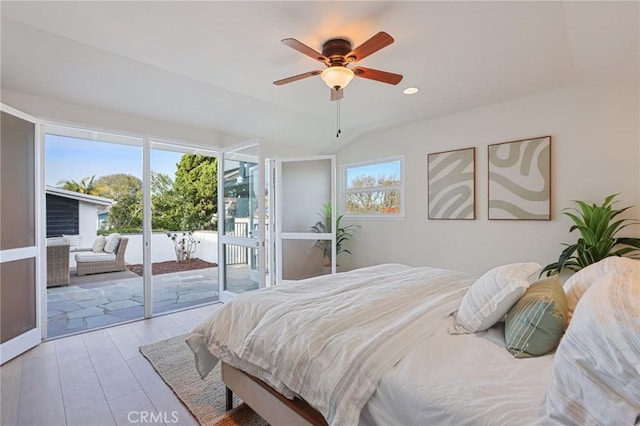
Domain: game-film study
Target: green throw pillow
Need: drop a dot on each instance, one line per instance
(535, 324)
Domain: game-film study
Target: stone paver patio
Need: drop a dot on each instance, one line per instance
(106, 299)
(115, 299)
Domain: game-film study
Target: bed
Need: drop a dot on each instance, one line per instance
(375, 346)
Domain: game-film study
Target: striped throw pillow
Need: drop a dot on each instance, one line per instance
(111, 243)
(535, 324)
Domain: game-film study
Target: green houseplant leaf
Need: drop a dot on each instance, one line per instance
(597, 240)
(343, 233)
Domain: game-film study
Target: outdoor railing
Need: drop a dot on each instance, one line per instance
(238, 255)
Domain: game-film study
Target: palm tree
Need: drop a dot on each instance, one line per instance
(85, 186)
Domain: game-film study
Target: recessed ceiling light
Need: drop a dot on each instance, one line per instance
(410, 90)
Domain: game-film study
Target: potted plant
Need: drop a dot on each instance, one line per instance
(598, 240)
(343, 234)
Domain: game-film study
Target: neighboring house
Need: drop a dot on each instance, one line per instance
(73, 213)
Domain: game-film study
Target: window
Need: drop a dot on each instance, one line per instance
(374, 189)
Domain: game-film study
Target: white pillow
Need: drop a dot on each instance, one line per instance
(579, 283)
(98, 244)
(595, 379)
(491, 296)
(111, 243)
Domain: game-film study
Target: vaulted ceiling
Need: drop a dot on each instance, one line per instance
(211, 64)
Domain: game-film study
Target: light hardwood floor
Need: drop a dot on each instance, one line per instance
(96, 378)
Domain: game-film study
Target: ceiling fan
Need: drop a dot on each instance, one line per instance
(336, 54)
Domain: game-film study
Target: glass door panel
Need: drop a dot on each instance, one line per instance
(241, 273)
(303, 259)
(306, 197)
(241, 181)
(242, 232)
(94, 194)
(19, 261)
(184, 241)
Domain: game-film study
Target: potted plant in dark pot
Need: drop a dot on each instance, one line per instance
(598, 226)
(343, 234)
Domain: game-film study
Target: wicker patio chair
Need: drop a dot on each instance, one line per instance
(57, 265)
(101, 266)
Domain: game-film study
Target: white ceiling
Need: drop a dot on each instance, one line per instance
(211, 64)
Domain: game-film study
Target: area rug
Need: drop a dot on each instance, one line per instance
(173, 360)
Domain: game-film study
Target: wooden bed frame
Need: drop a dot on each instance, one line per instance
(264, 400)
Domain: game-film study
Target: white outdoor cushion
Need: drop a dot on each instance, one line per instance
(89, 256)
(579, 283)
(57, 241)
(491, 296)
(73, 240)
(98, 244)
(111, 243)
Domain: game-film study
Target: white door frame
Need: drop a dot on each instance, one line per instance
(27, 340)
(252, 243)
(280, 236)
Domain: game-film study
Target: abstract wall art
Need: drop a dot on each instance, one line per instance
(520, 179)
(451, 184)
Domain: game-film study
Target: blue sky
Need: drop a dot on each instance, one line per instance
(74, 159)
(387, 169)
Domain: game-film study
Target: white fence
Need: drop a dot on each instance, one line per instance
(162, 247)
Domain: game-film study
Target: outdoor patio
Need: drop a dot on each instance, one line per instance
(105, 299)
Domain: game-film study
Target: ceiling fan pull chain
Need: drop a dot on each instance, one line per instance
(338, 119)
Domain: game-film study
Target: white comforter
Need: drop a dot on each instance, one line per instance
(330, 339)
(462, 380)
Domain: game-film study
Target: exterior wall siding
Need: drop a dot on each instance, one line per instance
(62, 216)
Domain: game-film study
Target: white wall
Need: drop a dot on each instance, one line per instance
(162, 247)
(595, 152)
(87, 223)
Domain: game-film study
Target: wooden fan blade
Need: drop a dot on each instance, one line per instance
(336, 95)
(296, 77)
(369, 47)
(304, 49)
(377, 75)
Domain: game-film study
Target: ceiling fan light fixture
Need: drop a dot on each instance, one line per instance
(337, 77)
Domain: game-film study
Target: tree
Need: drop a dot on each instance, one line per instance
(125, 190)
(165, 212)
(118, 185)
(85, 186)
(186, 204)
(196, 190)
(383, 200)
